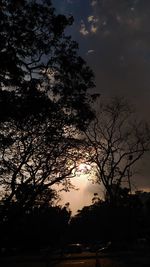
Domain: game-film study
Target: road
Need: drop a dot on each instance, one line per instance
(129, 259)
(77, 263)
(89, 262)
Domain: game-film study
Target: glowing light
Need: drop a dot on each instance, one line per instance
(83, 168)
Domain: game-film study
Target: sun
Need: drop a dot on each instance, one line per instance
(83, 168)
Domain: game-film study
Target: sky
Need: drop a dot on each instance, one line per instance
(114, 39)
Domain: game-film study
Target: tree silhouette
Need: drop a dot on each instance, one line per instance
(101, 222)
(42, 226)
(44, 101)
(117, 140)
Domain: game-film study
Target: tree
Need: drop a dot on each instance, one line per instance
(101, 222)
(39, 62)
(117, 141)
(44, 225)
(43, 99)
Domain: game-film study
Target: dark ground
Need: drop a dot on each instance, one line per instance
(85, 259)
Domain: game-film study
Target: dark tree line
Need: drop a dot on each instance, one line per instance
(43, 227)
(122, 224)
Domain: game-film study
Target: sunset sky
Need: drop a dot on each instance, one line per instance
(114, 39)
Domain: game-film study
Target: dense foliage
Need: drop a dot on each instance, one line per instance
(44, 101)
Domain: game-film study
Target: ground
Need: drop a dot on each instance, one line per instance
(124, 259)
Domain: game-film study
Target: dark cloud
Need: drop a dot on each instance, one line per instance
(119, 33)
(122, 46)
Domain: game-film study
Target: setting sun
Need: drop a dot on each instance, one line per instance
(83, 168)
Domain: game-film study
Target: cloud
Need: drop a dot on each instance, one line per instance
(91, 51)
(91, 19)
(93, 2)
(70, 1)
(93, 23)
(83, 29)
(92, 27)
(122, 45)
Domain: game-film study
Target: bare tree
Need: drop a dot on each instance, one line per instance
(117, 140)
